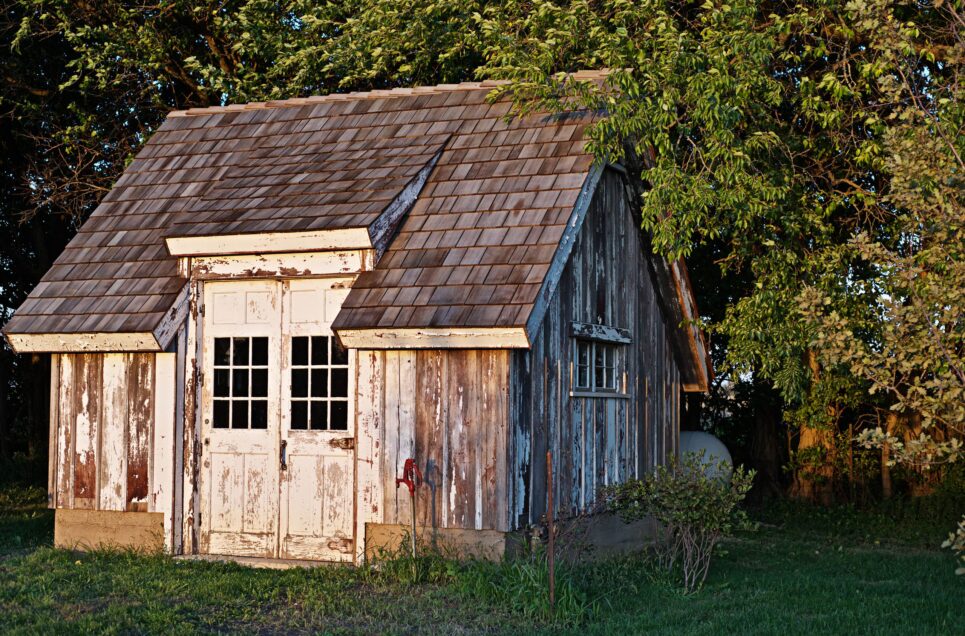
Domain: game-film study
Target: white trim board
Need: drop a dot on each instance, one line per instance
(174, 317)
(270, 242)
(276, 265)
(435, 338)
(82, 342)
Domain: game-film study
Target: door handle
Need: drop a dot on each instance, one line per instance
(283, 455)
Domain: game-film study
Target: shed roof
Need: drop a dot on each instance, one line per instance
(487, 220)
(488, 202)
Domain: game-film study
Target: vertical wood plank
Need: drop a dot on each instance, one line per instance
(162, 445)
(493, 484)
(394, 497)
(87, 406)
(370, 423)
(431, 442)
(177, 531)
(520, 430)
(114, 443)
(576, 442)
(66, 432)
(53, 448)
(140, 424)
(459, 462)
(190, 444)
(406, 427)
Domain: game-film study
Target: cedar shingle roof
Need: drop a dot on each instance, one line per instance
(473, 251)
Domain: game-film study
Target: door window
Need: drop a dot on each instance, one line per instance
(240, 383)
(319, 384)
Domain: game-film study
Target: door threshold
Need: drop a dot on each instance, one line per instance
(261, 562)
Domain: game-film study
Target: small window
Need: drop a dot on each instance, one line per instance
(597, 366)
(319, 384)
(240, 383)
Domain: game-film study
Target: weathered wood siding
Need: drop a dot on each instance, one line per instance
(112, 431)
(595, 440)
(447, 409)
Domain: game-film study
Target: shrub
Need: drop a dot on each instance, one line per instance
(694, 508)
(956, 543)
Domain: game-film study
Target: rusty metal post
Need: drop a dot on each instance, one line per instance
(551, 538)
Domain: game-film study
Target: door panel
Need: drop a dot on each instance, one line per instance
(278, 422)
(240, 398)
(317, 426)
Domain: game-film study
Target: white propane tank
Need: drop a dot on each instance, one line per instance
(714, 452)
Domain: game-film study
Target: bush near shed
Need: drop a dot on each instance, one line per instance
(695, 507)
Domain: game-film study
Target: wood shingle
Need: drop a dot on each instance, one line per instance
(472, 251)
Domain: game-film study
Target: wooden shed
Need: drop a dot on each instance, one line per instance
(279, 303)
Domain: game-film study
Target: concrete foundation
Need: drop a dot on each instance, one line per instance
(86, 529)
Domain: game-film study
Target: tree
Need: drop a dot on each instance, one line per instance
(756, 135)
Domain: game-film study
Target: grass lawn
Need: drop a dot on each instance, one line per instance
(803, 572)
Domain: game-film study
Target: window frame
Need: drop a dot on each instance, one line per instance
(598, 349)
(231, 369)
(328, 399)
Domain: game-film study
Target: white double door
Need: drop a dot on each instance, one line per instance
(278, 421)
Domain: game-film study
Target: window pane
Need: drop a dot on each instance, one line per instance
(300, 351)
(583, 377)
(299, 382)
(221, 382)
(239, 414)
(339, 355)
(319, 349)
(222, 351)
(319, 415)
(339, 382)
(239, 355)
(259, 414)
(239, 382)
(583, 353)
(259, 383)
(319, 382)
(339, 415)
(259, 352)
(299, 421)
(220, 419)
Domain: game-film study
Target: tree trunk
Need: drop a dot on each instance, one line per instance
(924, 480)
(815, 482)
(765, 443)
(891, 425)
(4, 410)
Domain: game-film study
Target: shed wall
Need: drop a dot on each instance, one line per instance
(112, 431)
(595, 440)
(448, 410)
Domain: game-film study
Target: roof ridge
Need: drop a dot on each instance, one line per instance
(582, 75)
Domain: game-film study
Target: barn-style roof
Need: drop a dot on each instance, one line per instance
(466, 208)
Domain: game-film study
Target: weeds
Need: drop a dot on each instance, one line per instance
(522, 586)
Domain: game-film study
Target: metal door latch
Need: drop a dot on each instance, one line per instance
(283, 455)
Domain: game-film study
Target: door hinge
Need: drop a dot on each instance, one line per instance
(201, 378)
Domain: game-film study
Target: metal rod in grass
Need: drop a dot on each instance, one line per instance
(551, 544)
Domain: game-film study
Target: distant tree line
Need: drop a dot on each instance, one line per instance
(805, 158)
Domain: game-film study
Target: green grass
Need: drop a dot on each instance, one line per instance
(804, 572)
